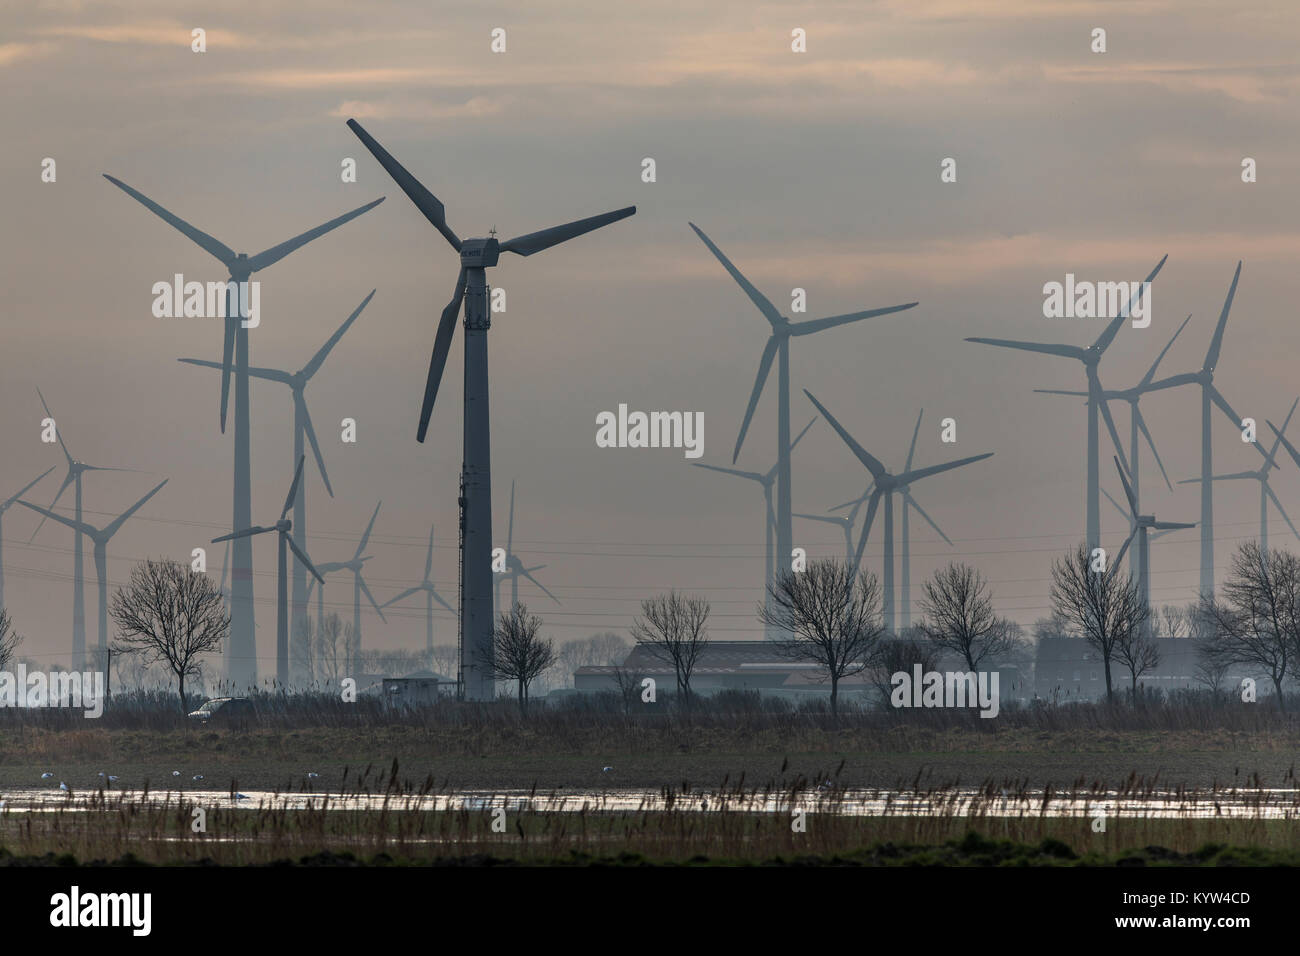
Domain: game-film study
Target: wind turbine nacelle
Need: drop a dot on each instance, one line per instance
(479, 253)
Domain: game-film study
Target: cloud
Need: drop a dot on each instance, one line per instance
(17, 52)
(419, 109)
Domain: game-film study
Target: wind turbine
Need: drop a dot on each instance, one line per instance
(476, 257)
(1090, 357)
(241, 654)
(843, 522)
(1141, 525)
(358, 585)
(886, 484)
(1204, 377)
(778, 347)
(514, 567)
(909, 504)
(4, 506)
(302, 430)
(284, 526)
(767, 480)
(1136, 423)
(430, 595)
(100, 537)
(75, 470)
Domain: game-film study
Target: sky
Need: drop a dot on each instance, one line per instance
(818, 170)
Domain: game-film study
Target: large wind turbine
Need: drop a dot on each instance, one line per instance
(283, 527)
(909, 504)
(1090, 357)
(1265, 492)
(430, 595)
(302, 431)
(100, 537)
(886, 485)
(1141, 525)
(241, 654)
(354, 565)
(767, 479)
(1204, 377)
(75, 470)
(4, 506)
(1136, 423)
(778, 347)
(514, 567)
(476, 257)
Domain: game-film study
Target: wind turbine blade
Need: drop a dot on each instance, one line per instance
(1173, 381)
(1282, 511)
(1216, 343)
(79, 526)
(1272, 451)
(302, 557)
(69, 479)
(438, 597)
(246, 533)
(293, 488)
(872, 463)
(1110, 426)
(12, 498)
(764, 304)
(371, 598)
(366, 537)
(1151, 372)
(817, 325)
(1142, 426)
(58, 432)
(311, 438)
(227, 366)
(545, 238)
(510, 531)
(930, 521)
(311, 367)
(441, 349)
(1118, 506)
(278, 252)
(1065, 351)
(121, 519)
(824, 518)
(856, 501)
(1108, 334)
(1059, 391)
(1172, 525)
(211, 245)
(425, 201)
(525, 573)
(405, 594)
(1233, 477)
(1295, 455)
(1217, 397)
(911, 449)
(911, 476)
(866, 529)
(764, 367)
(1114, 565)
(225, 566)
(1128, 489)
(535, 567)
(270, 374)
(751, 475)
(428, 561)
(814, 422)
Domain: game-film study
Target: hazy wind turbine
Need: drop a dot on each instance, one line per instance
(100, 537)
(430, 595)
(1136, 423)
(302, 430)
(909, 504)
(4, 506)
(514, 567)
(1204, 377)
(1142, 524)
(766, 479)
(358, 584)
(843, 522)
(778, 347)
(241, 654)
(75, 470)
(886, 484)
(476, 257)
(283, 527)
(1090, 357)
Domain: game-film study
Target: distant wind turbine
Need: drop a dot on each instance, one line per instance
(886, 484)
(354, 564)
(4, 506)
(100, 538)
(241, 653)
(282, 527)
(1142, 524)
(514, 567)
(430, 595)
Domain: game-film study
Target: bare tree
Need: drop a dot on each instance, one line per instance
(628, 682)
(1258, 621)
(674, 628)
(9, 639)
(169, 614)
(1104, 606)
(328, 631)
(446, 660)
(519, 654)
(957, 615)
(1212, 664)
(301, 650)
(834, 621)
(1139, 654)
(901, 655)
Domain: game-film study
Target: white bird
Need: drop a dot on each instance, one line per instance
(241, 796)
(176, 773)
(62, 785)
(312, 776)
(198, 776)
(112, 779)
(606, 769)
(47, 775)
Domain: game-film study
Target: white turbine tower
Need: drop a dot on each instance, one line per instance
(1142, 524)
